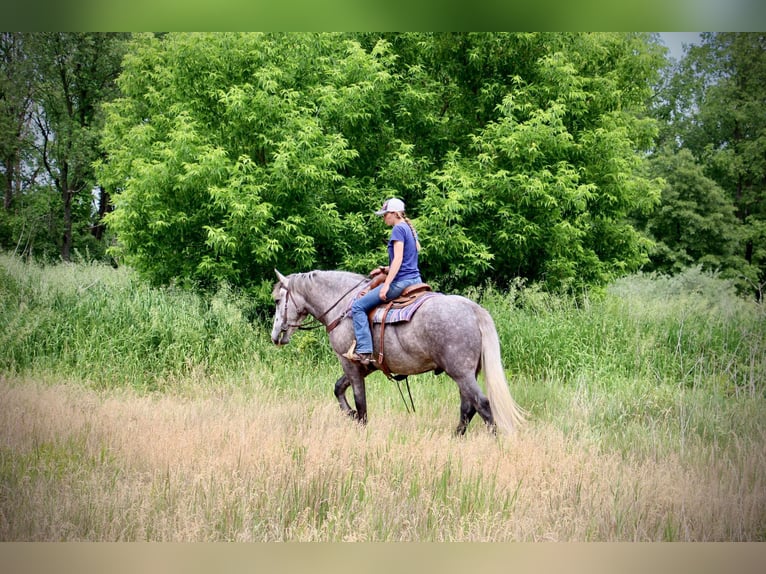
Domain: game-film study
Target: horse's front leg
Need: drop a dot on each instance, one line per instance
(341, 385)
(355, 380)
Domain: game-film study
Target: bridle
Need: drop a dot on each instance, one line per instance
(301, 325)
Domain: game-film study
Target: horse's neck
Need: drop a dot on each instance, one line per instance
(323, 289)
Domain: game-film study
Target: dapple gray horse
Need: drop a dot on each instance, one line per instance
(448, 333)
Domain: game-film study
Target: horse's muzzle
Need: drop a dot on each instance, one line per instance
(281, 338)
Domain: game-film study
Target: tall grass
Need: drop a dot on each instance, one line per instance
(680, 356)
(136, 413)
(688, 330)
(105, 326)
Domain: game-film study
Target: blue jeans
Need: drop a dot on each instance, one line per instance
(366, 303)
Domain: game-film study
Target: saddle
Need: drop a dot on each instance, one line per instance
(411, 295)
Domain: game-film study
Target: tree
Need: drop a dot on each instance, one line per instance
(547, 188)
(16, 137)
(16, 105)
(517, 154)
(695, 223)
(715, 109)
(75, 73)
(228, 154)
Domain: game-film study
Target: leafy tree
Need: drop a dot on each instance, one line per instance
(714, 107)
(51, 88)
(229, 153)
(75, 74)
(550, 181)
(517, 154)
(16, 137)
(695, 223)
(15, 112)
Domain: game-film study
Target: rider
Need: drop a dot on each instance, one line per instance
(402, 271)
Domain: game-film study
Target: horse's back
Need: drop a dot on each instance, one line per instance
(453, 311)
(444, 334)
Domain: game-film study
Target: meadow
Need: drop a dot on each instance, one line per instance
(134, 413)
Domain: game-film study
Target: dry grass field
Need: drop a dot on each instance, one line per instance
(250, 463)
(134, 413)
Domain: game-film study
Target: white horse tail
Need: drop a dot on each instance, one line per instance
(507, 414)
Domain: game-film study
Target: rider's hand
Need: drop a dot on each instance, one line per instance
(378, 270)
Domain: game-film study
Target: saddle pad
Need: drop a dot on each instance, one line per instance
(405, 313)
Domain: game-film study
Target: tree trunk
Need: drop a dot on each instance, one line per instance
(8, 188)
(66, 197)
(66, 243)
(104, 207)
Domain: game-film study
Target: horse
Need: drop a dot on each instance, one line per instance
(448, 333)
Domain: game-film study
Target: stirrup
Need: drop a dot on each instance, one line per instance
(352, 355)
(351, 351)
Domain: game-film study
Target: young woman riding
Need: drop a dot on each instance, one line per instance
(402, 271)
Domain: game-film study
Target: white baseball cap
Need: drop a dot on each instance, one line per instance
(391, 205)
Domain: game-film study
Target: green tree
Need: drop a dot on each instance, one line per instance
(74, 74)
(546, 187)
(16, 90)
(695, 223)
(229, 155)
(16, 136)
(517, 154)
(714, 107)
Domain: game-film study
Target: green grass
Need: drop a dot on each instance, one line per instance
(105, 326)
(629, 356)
(138, 413)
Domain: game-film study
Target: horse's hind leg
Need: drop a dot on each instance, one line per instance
(472, 401)
(467, 411)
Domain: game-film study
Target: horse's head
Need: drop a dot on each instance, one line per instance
(289, 313)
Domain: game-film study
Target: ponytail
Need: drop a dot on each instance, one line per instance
(412, 228)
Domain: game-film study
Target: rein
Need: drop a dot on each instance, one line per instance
(405, 378)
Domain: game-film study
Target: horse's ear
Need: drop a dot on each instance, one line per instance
(282, 279)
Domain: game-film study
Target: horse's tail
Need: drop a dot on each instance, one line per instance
(507, 414)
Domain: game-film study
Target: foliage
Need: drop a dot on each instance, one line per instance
(550, 181)
(104, 324)
(50, 124)
(16, 139)
(713, 105)
(227, 152)
(109, 327)
(695, 223)
(232, 154)
(690, 330)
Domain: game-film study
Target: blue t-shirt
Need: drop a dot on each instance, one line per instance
(409, 269)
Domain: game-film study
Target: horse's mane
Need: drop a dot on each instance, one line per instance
(333, 278)
(310, 279)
